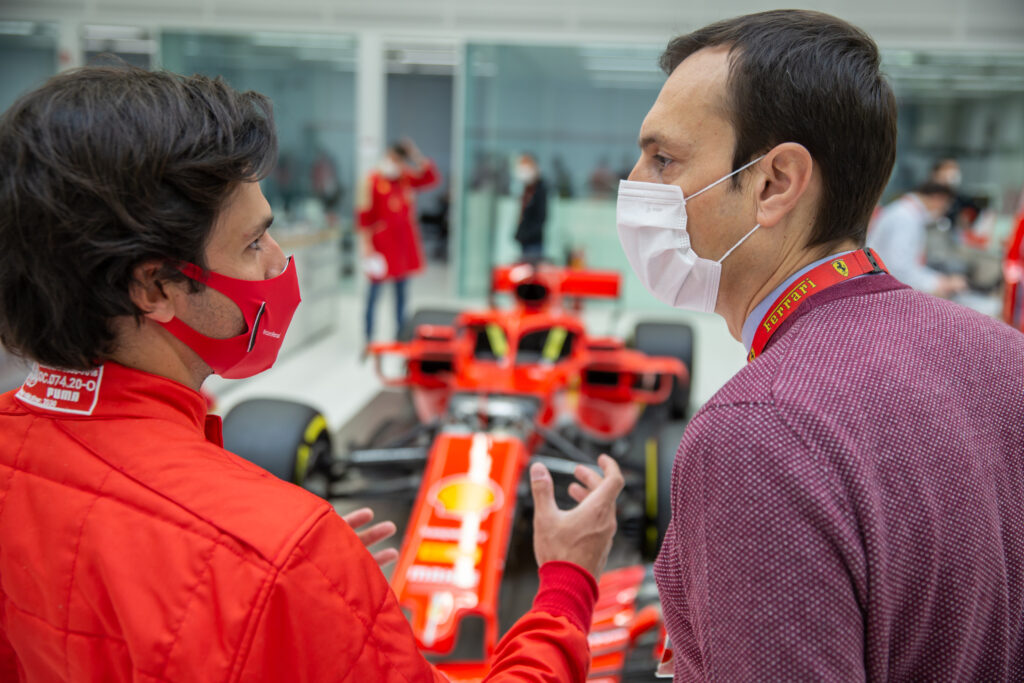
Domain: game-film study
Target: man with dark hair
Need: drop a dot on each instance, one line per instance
(533, 207)
(900, 238)
(849, 505)
(135, 260)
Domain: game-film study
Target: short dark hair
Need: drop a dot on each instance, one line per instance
(400, 149)
(930, 188)
(102, 169)
(810, 78)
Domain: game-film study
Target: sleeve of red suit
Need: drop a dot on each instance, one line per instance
(329, 613)
(366, 215)
(758, 571)
(425, 176)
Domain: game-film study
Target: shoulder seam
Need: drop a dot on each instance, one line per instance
(271, 578)
(191, 513)
(71, 574)
(367, 625)
(176, 633)
(15, 469)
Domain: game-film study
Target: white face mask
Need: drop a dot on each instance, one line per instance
(526, 174)
(651, 219)
(388, 168)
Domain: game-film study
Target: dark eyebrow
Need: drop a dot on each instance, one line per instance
(262, 228)
(651, 139)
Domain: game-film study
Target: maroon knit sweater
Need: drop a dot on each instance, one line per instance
(850, 506)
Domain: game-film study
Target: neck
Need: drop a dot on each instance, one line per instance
(762, 286)
(148, 347)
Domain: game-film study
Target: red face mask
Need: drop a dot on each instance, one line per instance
(266, 305)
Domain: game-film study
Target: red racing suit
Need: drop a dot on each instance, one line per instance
(1013, 277)
(133, 547)
(388, 213)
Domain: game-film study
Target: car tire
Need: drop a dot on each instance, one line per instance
(286, 438)
(426, 316)
(660, 456)
(674, 340)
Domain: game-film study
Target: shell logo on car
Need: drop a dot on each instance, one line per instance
(457, 496)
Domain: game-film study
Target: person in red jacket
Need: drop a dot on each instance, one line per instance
(1013, 274)
(392, 248)
(135, 260)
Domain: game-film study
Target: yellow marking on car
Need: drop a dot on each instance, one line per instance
(651, 451)
(497, 339)
(314, 429)
(555, 343)
(301, 463)
(440, 552)
(466, 497)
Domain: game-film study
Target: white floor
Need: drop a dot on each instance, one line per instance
(329, 375)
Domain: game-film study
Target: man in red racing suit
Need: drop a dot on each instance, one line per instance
(1013, 275)
(134, 262)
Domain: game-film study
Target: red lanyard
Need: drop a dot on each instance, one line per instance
(817, 280)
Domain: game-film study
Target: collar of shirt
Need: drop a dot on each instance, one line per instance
(117, 392)
(757, 315)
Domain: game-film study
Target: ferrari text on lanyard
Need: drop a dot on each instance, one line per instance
(815, 281)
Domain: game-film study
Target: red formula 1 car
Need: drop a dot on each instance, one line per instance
(484, 393)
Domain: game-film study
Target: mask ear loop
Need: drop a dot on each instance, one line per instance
(726, 177)
(736, 246)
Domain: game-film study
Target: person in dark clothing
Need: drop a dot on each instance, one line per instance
(534, 207)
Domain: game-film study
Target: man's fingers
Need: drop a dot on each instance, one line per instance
(377, 533)
(613, 482)
(577, 492)
(358, 518)
(543, 490)
(386, 556)
(588, 477)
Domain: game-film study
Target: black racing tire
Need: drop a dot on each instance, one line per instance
(286, 438)
(660, 452)
(426, 316)
(676, 341)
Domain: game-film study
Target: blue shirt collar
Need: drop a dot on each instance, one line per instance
(757, 315)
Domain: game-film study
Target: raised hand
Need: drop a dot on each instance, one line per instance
(373, 535)
(582, 535)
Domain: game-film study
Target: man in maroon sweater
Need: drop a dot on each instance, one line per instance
(850, 505)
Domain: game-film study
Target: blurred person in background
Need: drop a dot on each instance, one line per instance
(386, 216)
(962, 211)
(533, 207)
(900, 238)
(602, 180)
(850, 505)
(1013, 272)
(135, 261)
(563, 179)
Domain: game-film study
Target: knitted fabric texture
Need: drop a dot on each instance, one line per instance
(850, 506)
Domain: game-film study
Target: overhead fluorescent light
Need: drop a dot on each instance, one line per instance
(109, 32)
(17, 28)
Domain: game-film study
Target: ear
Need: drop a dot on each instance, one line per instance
(152, 294)
(788, 169)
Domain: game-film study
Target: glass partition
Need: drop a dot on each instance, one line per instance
(28, 53)
(578, 109)
(310, 79)
(968, 106)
